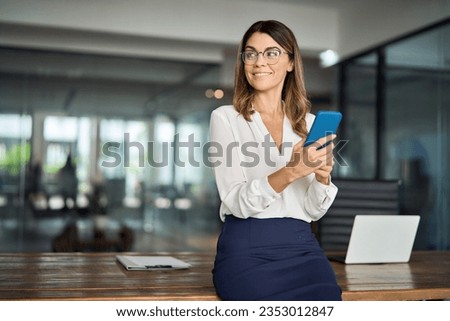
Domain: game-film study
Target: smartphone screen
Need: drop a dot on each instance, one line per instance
(325, 123)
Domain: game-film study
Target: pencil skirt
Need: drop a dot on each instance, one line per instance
(272, 259)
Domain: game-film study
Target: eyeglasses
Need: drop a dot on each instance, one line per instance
(249, 57)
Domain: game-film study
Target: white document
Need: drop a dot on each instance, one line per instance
(131, 262)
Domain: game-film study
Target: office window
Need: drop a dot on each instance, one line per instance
(162, 170)
(359, 119)
(122, 160)
(64, 136)
(15, 151)
(190, 168)
(132, 107)
(15, 134)
(416, 129)
(396, 107)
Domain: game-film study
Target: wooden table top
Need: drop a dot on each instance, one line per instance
(98, 276)
(425, 277)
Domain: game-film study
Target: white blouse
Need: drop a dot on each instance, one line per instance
(242, 155)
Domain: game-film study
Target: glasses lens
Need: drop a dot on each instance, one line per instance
(272, 55)
(249, 56)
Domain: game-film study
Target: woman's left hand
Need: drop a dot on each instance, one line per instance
(323, 173)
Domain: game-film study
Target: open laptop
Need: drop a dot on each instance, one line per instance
(381, 239)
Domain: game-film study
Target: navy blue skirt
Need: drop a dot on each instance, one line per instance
(272, 259)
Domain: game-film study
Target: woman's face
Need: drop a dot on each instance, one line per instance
(263, 76)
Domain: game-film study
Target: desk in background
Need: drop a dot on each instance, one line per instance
(98, 276)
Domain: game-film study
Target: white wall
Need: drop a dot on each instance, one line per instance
(364, 24)
(178, 28)
(168, 22)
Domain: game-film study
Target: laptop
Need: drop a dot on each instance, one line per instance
(381, 239)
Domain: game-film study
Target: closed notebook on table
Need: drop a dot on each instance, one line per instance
(134, 262)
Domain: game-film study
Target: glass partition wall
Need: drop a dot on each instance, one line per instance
(396, 105)
(123, 124)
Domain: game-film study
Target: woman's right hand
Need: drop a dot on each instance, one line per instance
(307, 160)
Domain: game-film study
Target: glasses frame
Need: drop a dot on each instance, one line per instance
(263, 53)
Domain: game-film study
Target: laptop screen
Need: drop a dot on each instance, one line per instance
(382, 238)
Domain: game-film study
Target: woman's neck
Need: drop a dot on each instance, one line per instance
(270, 106)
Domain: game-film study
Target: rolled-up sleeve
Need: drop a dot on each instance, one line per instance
(319, 198)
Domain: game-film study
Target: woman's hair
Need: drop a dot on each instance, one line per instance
(294, 95)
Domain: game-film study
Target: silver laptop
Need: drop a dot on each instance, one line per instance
(381, 239)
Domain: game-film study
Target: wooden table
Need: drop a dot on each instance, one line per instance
(425, 277)
(98, 276)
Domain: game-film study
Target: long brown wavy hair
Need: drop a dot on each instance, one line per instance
(294, 94)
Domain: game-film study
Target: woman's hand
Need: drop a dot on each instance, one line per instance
(323, 173)
(304, 161)
(307, 160)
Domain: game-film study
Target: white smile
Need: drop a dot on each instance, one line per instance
(261, 74)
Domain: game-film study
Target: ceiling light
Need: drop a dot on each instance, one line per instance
(328, 58)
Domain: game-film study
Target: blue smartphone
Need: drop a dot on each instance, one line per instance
(325, 123)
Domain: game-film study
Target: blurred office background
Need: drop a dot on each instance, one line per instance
(111, 90)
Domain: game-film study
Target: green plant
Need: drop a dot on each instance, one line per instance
(16, 158)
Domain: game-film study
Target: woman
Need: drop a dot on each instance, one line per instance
(271, 187)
